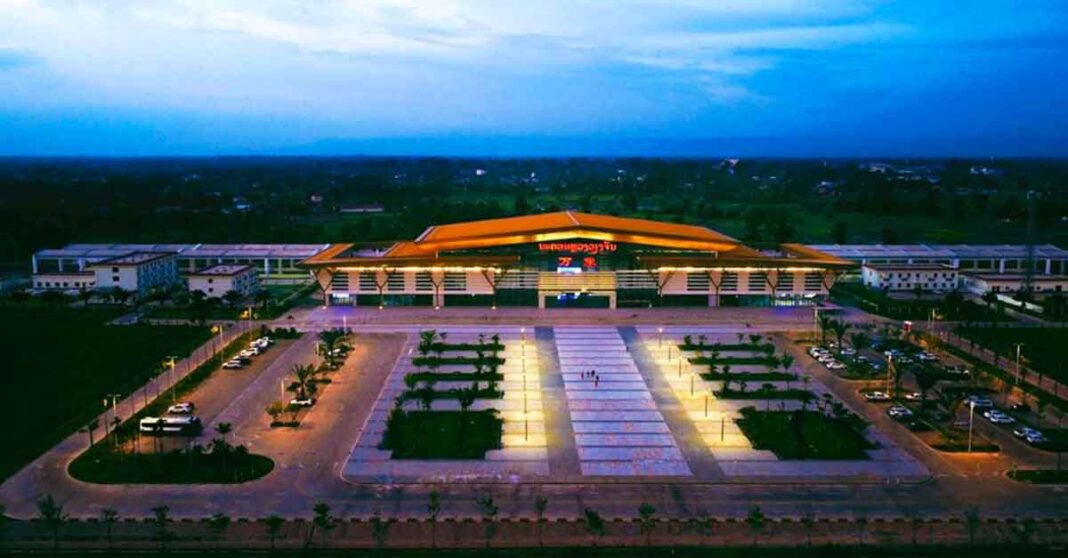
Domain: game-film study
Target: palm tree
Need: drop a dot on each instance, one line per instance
(274, 526)
(51, 514)
(218, 523)
(702, 525)
(786, 362)
(108, 518)
(594, 524)
(756, 520)
(322, 521)
(489, 510)
(275, 410)
(646, 521)
(161, 519)
(303, 374)
(433, 508)
(825, 322)
(379, 528)
(426, 341)
(540, 504)
(727, 378)
(860, 341)
(808, 520)
(971, 520)
(89, 428)
(840, 327)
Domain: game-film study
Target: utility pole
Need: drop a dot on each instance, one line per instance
(1029, 259)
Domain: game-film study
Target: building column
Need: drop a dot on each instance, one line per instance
(1048, 266)
(1001, 266)
(713, 300)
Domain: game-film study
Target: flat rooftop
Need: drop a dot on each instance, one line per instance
(938, 251)
(222, 270)
(136, 258)
(910, 267)
(1037, 278)
(104, 251)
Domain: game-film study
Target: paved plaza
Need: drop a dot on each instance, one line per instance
(618, 428)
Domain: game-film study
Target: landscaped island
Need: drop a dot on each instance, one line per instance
(445, 433)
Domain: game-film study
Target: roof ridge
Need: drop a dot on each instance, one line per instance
(570, 216)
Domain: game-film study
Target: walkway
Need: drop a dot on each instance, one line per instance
(618, 428)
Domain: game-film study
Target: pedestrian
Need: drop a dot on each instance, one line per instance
(596, 380)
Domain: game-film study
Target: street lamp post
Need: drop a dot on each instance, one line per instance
(171, 362)
(1018, 374)
(971, 418)
(659, 337)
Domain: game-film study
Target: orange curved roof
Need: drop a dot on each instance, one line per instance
(567, 224)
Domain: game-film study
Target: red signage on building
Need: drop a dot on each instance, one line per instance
(592, 248)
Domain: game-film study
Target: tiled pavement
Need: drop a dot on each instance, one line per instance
(524, 453)
(714, 418)
(618, 428)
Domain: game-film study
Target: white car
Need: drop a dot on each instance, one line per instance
(233, 364)
(848, 351)
(898, 412)
(249, 353)
(978, 402)
(1035, 438)
(1024, 431)
(835, 365)
(298, 402)
(997, 417)
(184, 408)
(913, 396)
(877, 396)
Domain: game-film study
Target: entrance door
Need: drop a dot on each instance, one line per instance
(577, 300)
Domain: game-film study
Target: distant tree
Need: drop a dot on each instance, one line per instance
(840, 232)
(232, 297)
(839, 327)
(262, 297)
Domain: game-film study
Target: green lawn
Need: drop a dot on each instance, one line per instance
(61, 363)
(808, 435)
(109, 467)
(442, 434)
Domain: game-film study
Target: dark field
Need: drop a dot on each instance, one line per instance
(60, 364)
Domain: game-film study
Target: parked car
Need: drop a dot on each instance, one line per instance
(233, 364)
(183, 408)
(899, 413)
(1035, 438)
(978, 402)
(997, 417)
(913, 396)
(835, 365)
(1024, 431)
(306, 402)
(848, 351)
(877, 396)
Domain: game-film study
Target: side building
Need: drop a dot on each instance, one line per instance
(217, 280)
(573, 259)
(137, 273)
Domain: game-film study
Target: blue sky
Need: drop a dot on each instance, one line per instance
(552, 77)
